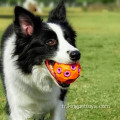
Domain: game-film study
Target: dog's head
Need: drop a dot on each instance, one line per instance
(38, 41)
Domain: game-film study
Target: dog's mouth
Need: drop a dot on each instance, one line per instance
(50, 65)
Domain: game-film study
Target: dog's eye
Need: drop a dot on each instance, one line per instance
(51, 42)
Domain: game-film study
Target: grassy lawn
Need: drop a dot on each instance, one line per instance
(99, 42)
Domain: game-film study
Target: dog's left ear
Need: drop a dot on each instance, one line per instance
(58, 14)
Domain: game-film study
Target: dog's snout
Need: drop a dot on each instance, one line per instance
(75, 55)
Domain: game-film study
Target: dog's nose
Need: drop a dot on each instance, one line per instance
(75, 55)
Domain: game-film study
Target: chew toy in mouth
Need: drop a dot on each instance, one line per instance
(64, 74)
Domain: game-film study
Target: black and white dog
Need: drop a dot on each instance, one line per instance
(26, 46)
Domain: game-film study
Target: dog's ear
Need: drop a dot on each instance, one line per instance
(58, 14)
(24, 21)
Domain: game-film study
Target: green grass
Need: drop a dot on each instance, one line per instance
(99, 84)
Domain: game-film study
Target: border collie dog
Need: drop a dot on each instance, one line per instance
(31, 91)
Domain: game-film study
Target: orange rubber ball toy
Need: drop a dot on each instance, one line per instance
(67, 73)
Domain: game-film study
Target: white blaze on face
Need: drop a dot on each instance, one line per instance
(62, 54)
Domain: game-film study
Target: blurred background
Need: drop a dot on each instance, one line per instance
(97, 24)
(38, 5)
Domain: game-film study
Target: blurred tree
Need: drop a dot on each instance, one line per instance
(3, 1)
(86, 2)
(118, 3)
(93, 1)
(108, 1)
(46, 2)
(13, 2)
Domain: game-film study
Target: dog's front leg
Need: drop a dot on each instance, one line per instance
(15, 116)
(19, 114)
(59, 112)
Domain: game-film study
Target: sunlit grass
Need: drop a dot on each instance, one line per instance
(4, 23)
(6, 10)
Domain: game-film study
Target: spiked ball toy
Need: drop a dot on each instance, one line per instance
(64, 73)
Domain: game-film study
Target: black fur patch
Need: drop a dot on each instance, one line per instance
(58, 14)
(7, 108)
(63, 94)
(32, 50)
